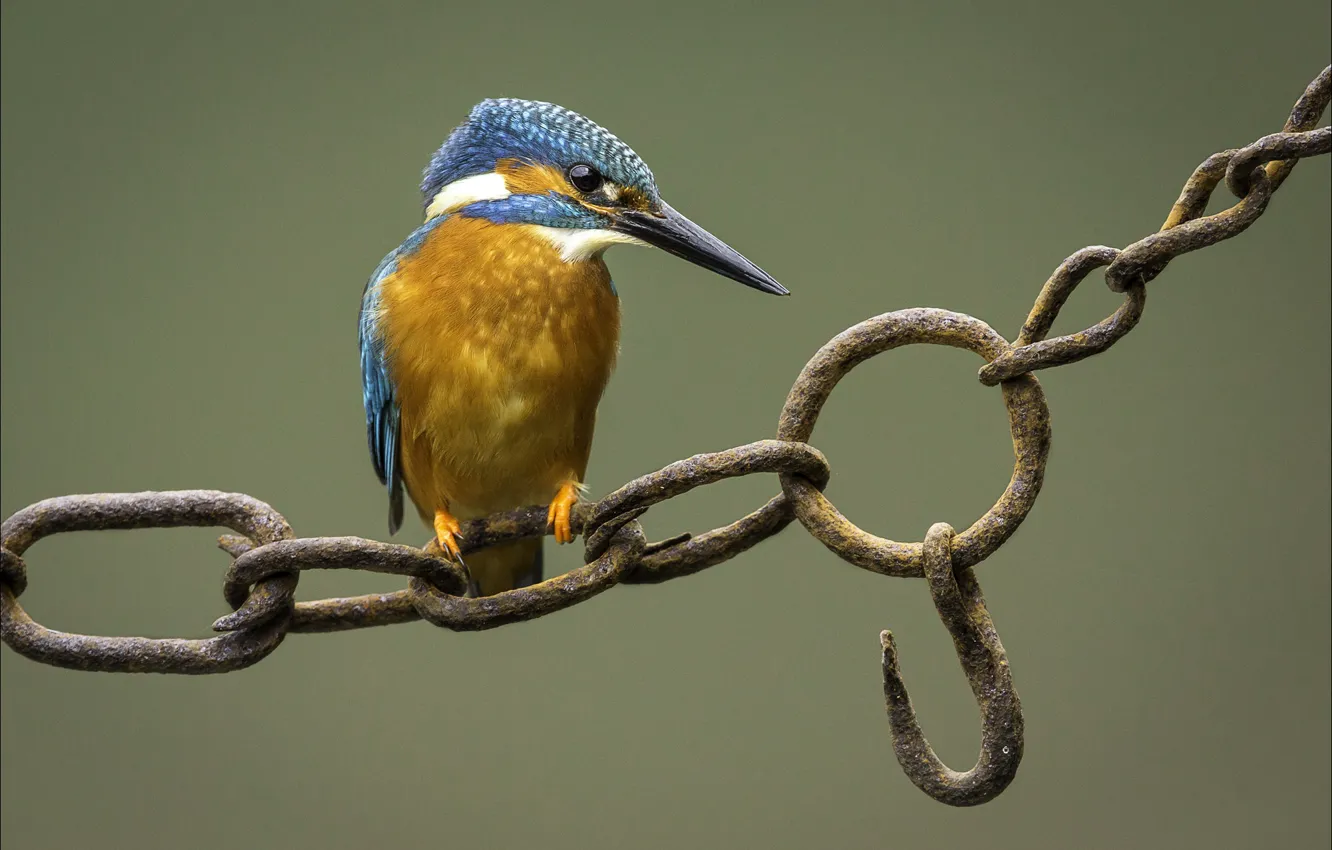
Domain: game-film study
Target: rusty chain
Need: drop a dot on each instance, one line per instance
(267, 561)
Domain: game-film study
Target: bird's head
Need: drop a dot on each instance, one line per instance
(541, 165)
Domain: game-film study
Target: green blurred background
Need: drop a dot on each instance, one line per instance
(195, 193)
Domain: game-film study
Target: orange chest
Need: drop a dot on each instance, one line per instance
(494, 340)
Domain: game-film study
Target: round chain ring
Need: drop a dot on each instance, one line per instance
(1028, 418)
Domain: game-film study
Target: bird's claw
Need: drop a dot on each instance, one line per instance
(447, 533)
(558, 518)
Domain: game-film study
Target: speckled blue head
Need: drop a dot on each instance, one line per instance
(542, 133)
(590, 190)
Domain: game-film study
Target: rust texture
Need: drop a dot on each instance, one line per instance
(260, 585)
(958, 599)
(1028, 419)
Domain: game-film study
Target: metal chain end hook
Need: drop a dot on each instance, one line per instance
(962, 608)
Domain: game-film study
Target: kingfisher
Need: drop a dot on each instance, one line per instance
(488, 336)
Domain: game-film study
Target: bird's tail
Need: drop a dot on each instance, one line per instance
(506, 567)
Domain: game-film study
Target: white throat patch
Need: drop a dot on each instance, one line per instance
(576, 244)
(479, 187)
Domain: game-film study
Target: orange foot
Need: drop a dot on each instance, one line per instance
(557, 517)
(447, 532)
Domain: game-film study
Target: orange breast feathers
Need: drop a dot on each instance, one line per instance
(499, 352)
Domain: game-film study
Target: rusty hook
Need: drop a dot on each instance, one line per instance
(962, 609)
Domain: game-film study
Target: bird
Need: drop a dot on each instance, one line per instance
(489, 335)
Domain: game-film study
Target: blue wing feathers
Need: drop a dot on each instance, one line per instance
(383, 422)
(381, 407)
(391, 430)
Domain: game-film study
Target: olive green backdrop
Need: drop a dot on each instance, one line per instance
(194, 195)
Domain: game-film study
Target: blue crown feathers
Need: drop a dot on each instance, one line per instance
(544, 133)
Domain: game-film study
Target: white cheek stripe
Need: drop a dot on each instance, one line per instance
(576, 244)
(479, 187)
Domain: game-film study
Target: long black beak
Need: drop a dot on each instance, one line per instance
(668, 230)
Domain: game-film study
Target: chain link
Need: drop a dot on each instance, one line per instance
(267, 561)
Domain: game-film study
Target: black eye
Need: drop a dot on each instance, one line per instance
(585, 178)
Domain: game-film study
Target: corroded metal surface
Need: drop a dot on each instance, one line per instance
(267, 562)
(1028, 420)
(243, 514)
(624, 544)
(1033, 351)
(958, 599)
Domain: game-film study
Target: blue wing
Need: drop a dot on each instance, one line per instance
(383, 422)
